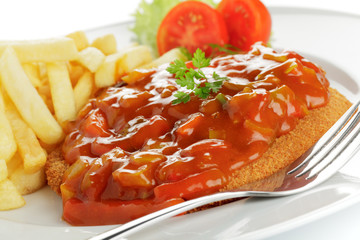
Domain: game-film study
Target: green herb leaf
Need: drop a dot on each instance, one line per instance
(199, 60)
(190, 78)
(178, 68)
(186, 81)
(181, 97)
(218, 78)
(202, 92)
(214, 86)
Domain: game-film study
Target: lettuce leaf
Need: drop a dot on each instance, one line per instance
(148, 18)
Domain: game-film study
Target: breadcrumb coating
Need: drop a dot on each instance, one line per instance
(285, 149)
(289, 147)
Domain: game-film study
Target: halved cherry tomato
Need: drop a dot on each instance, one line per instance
(193, 25)
(247, 21)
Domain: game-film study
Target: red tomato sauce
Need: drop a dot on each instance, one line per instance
(133, 152)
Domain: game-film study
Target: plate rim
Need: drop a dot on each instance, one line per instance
(70, 229)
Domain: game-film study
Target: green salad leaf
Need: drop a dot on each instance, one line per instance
(148, 18)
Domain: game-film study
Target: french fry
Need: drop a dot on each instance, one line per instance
(133, 58)
(45, 94)
(43, 72)
(10, 198)
(109, 71)
(27, 183)
(76, 70)
(26, 99)
(83, 90)
(61, 92)
(106, 44)
(7, 140)
(167, 57)
(32, 71)
(48, 50)
(3, 170)
(44, 90)
(14, 163)
(106, 74)
(50, 77)
(49, 103)
(2, 103)
(34, 157)
(80, 40)
(91, 58)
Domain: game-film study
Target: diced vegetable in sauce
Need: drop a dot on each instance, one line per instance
(132, 151)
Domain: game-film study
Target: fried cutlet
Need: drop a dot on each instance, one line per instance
(281, 153)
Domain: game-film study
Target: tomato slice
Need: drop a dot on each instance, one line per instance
(197, 185)
(191, 24)
(247, 21)
(90, 213)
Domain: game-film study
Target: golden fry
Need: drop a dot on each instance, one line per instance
(14, 163)
(34, 157)
(44, 90)
(80, 39)
(91, 58)
(61, 92)
(75, 72)
(32, 71)
(3, 170)
(7, 140)
(10, 198)
(106, 74)
(133, 58)
(48, 50)
(83, 90)
(26, 99)
(106, 44)
(27, 183)
(167, 57)
(43, 72)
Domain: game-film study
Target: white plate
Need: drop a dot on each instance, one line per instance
(328, 38)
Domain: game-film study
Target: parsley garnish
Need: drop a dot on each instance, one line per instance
(186, 77)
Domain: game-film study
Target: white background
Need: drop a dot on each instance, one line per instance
(44, 18)
(29, 19)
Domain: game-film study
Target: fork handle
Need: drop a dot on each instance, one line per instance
(147, 220)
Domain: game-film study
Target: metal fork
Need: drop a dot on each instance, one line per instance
(328, 155)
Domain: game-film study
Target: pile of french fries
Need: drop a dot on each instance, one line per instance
(43, 85)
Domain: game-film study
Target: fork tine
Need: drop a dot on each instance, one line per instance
(327, 149)
(331, 138)
(349, 145)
